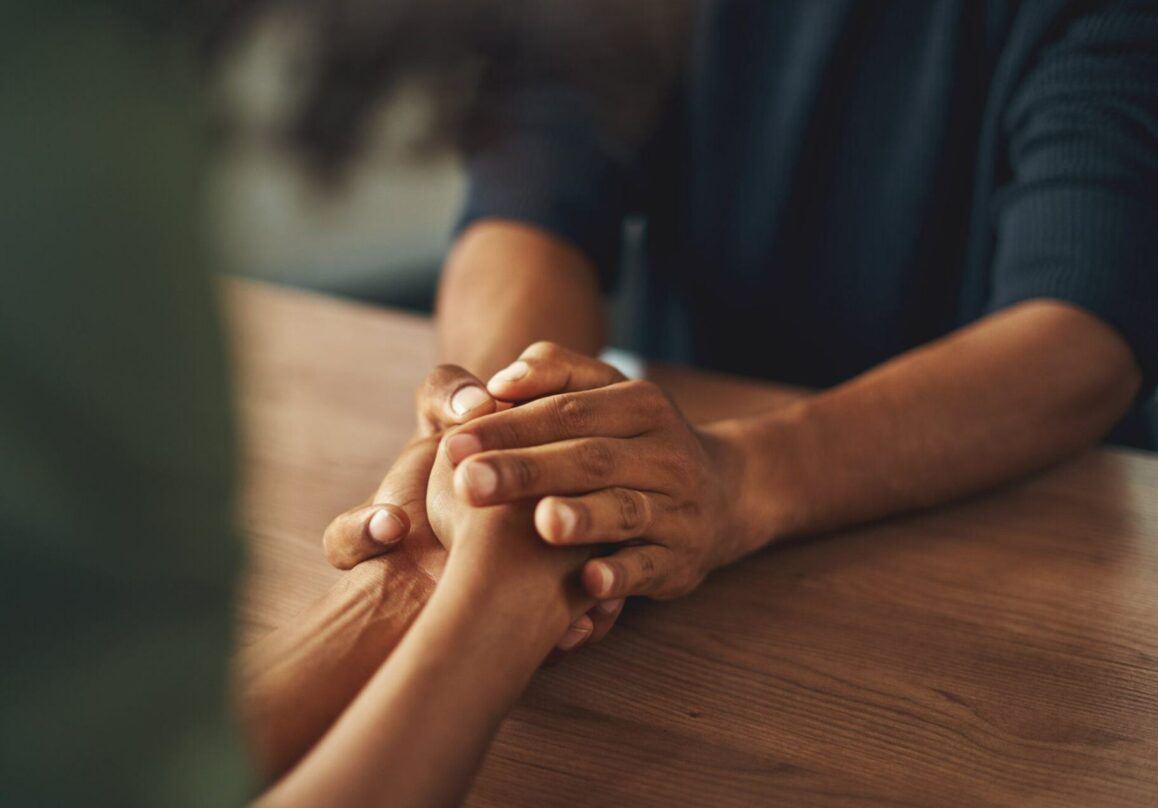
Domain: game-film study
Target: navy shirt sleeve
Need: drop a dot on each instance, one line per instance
(1079, 219)
(551, 168)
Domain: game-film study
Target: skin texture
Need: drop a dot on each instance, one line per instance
(646, 476)
(417, 730)
(669, 501)
(514, 285)
(505, 286)
(1011, 393)
(294, 683)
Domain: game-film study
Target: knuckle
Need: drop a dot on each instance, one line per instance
(692, 510)
(582, 519)
(573, 414)
(632, 510)
(648, 573)
(544, 349)
(595, 460)
(651, 397)
(521, 472)
(498, 433)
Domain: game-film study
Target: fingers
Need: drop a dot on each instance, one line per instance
(642, 570)
(577, 634)
(591, 627)
(611, 515)
(623, 410)
(603, 616)
(566, 467)
(548, 369)
(449, 396)
(364, 532)
(369, 530)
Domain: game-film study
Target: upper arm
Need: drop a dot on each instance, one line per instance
(551, 168)
(1077, 219)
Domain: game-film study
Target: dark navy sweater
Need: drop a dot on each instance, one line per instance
(837, 181)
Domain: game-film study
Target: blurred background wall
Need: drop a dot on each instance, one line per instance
(377, 232)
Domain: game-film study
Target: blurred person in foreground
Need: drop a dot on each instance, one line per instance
(942, 214)
(118, 556)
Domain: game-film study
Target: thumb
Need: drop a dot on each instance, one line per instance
(364, 532)
(547, 369)
(378, 525)
(449, 396)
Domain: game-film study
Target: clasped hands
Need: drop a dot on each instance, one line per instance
(558, 462)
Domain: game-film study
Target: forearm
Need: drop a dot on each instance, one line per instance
(507, 285)
(296, 682)
(1005, 396)
(416, 733)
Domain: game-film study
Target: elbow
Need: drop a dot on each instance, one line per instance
(1085, 374)
(1109, 385)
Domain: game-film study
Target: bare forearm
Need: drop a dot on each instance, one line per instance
(297, 681)
(416, 733)
(1006, 396)
(508, 285)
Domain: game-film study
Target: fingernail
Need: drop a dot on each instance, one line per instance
(385, 527)
(567, 520)
(606, 578)
(460, 447)
(572, 638)
(511, 373)
(609, 606)
(482, 479)
(467, 399)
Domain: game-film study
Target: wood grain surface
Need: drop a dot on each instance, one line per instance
(1001, 651)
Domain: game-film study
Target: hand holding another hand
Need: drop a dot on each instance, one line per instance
(608, 461)
(592, 458)
(398, 518)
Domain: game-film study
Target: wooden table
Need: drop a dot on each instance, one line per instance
(1001, 651)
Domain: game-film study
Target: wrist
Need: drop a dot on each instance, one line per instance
(530, 607)
(500, 545)
(759, 459)
(394, 580)
(544, 575)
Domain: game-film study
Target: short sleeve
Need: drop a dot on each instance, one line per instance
(551, 168)
(1078, 220)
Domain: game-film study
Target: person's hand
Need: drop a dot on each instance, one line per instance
(394, 518)
(449, 396)
(618, 464)
(500, 543)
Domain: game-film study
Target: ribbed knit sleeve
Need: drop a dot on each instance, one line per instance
(1078, 220)
(551, 168)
